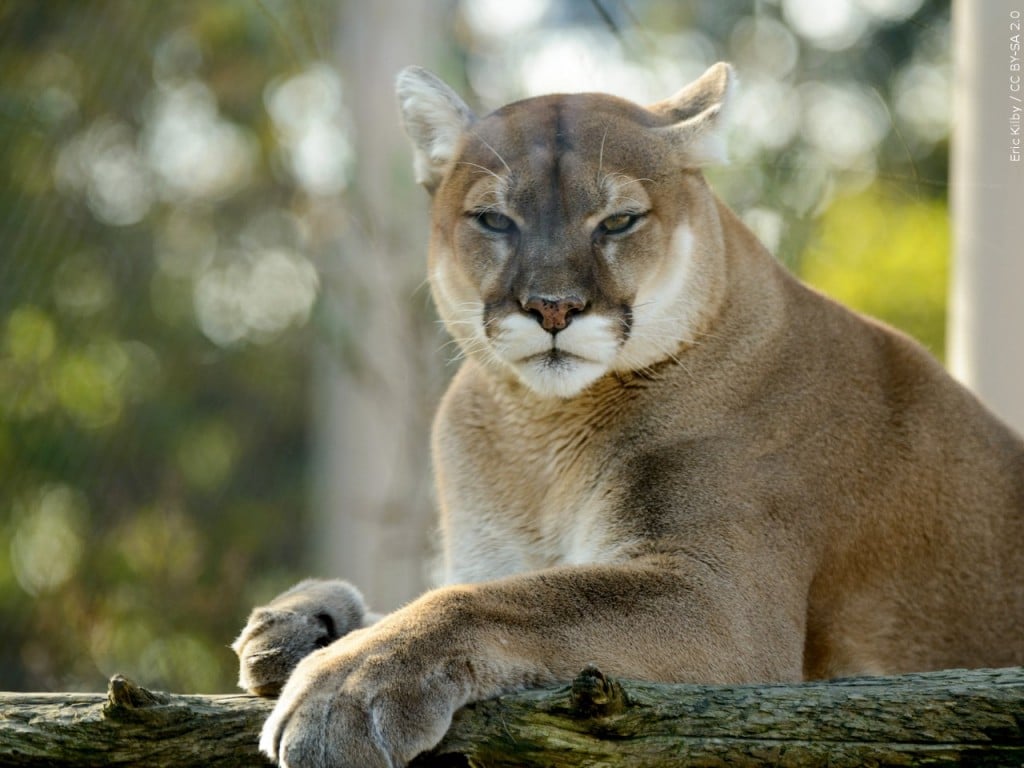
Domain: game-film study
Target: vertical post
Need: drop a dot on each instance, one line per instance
(986, 338)
(374, 392)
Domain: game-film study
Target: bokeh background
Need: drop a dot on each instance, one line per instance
(218, 357)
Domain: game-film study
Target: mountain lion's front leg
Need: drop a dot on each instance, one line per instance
(382, 695)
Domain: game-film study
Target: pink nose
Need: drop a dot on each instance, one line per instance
(554, 314)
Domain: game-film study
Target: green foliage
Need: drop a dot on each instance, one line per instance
(887, 257)
(153, 431)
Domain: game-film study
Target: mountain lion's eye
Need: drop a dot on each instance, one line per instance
(495, 222)
(618, 223)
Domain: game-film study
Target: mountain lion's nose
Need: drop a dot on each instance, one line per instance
(554, 314)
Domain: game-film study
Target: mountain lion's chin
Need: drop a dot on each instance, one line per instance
(558, 374)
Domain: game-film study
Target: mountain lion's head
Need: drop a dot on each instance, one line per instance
(573, 235)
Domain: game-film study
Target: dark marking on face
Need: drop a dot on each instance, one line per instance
(554, 155)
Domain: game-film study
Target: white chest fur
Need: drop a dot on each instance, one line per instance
(491, 546)
(539, 498)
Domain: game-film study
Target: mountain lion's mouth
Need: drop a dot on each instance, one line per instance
(554, 358)
(560, 365)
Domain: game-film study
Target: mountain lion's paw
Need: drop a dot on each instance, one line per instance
(371, 700)
(310, 615)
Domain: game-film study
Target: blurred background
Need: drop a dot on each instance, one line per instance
(218, 356)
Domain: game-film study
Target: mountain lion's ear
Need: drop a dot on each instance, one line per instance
(697, 110)
(434, 118)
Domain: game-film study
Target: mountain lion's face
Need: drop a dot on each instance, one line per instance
(567, 239)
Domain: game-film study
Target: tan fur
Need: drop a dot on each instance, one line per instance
(719, 475)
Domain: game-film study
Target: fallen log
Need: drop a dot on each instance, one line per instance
(945, 718)
(955, 717)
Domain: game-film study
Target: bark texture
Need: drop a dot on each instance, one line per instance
(957, 717)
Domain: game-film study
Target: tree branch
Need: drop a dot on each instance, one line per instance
(942, 718)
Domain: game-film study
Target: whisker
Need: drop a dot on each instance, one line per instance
(648, 368)
(496, 153)
(609, 182)
(456, 321)
(484, 168)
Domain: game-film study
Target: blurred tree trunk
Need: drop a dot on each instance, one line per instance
(376, 389)
(987, 302)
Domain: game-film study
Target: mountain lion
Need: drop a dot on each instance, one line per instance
(662, 454)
